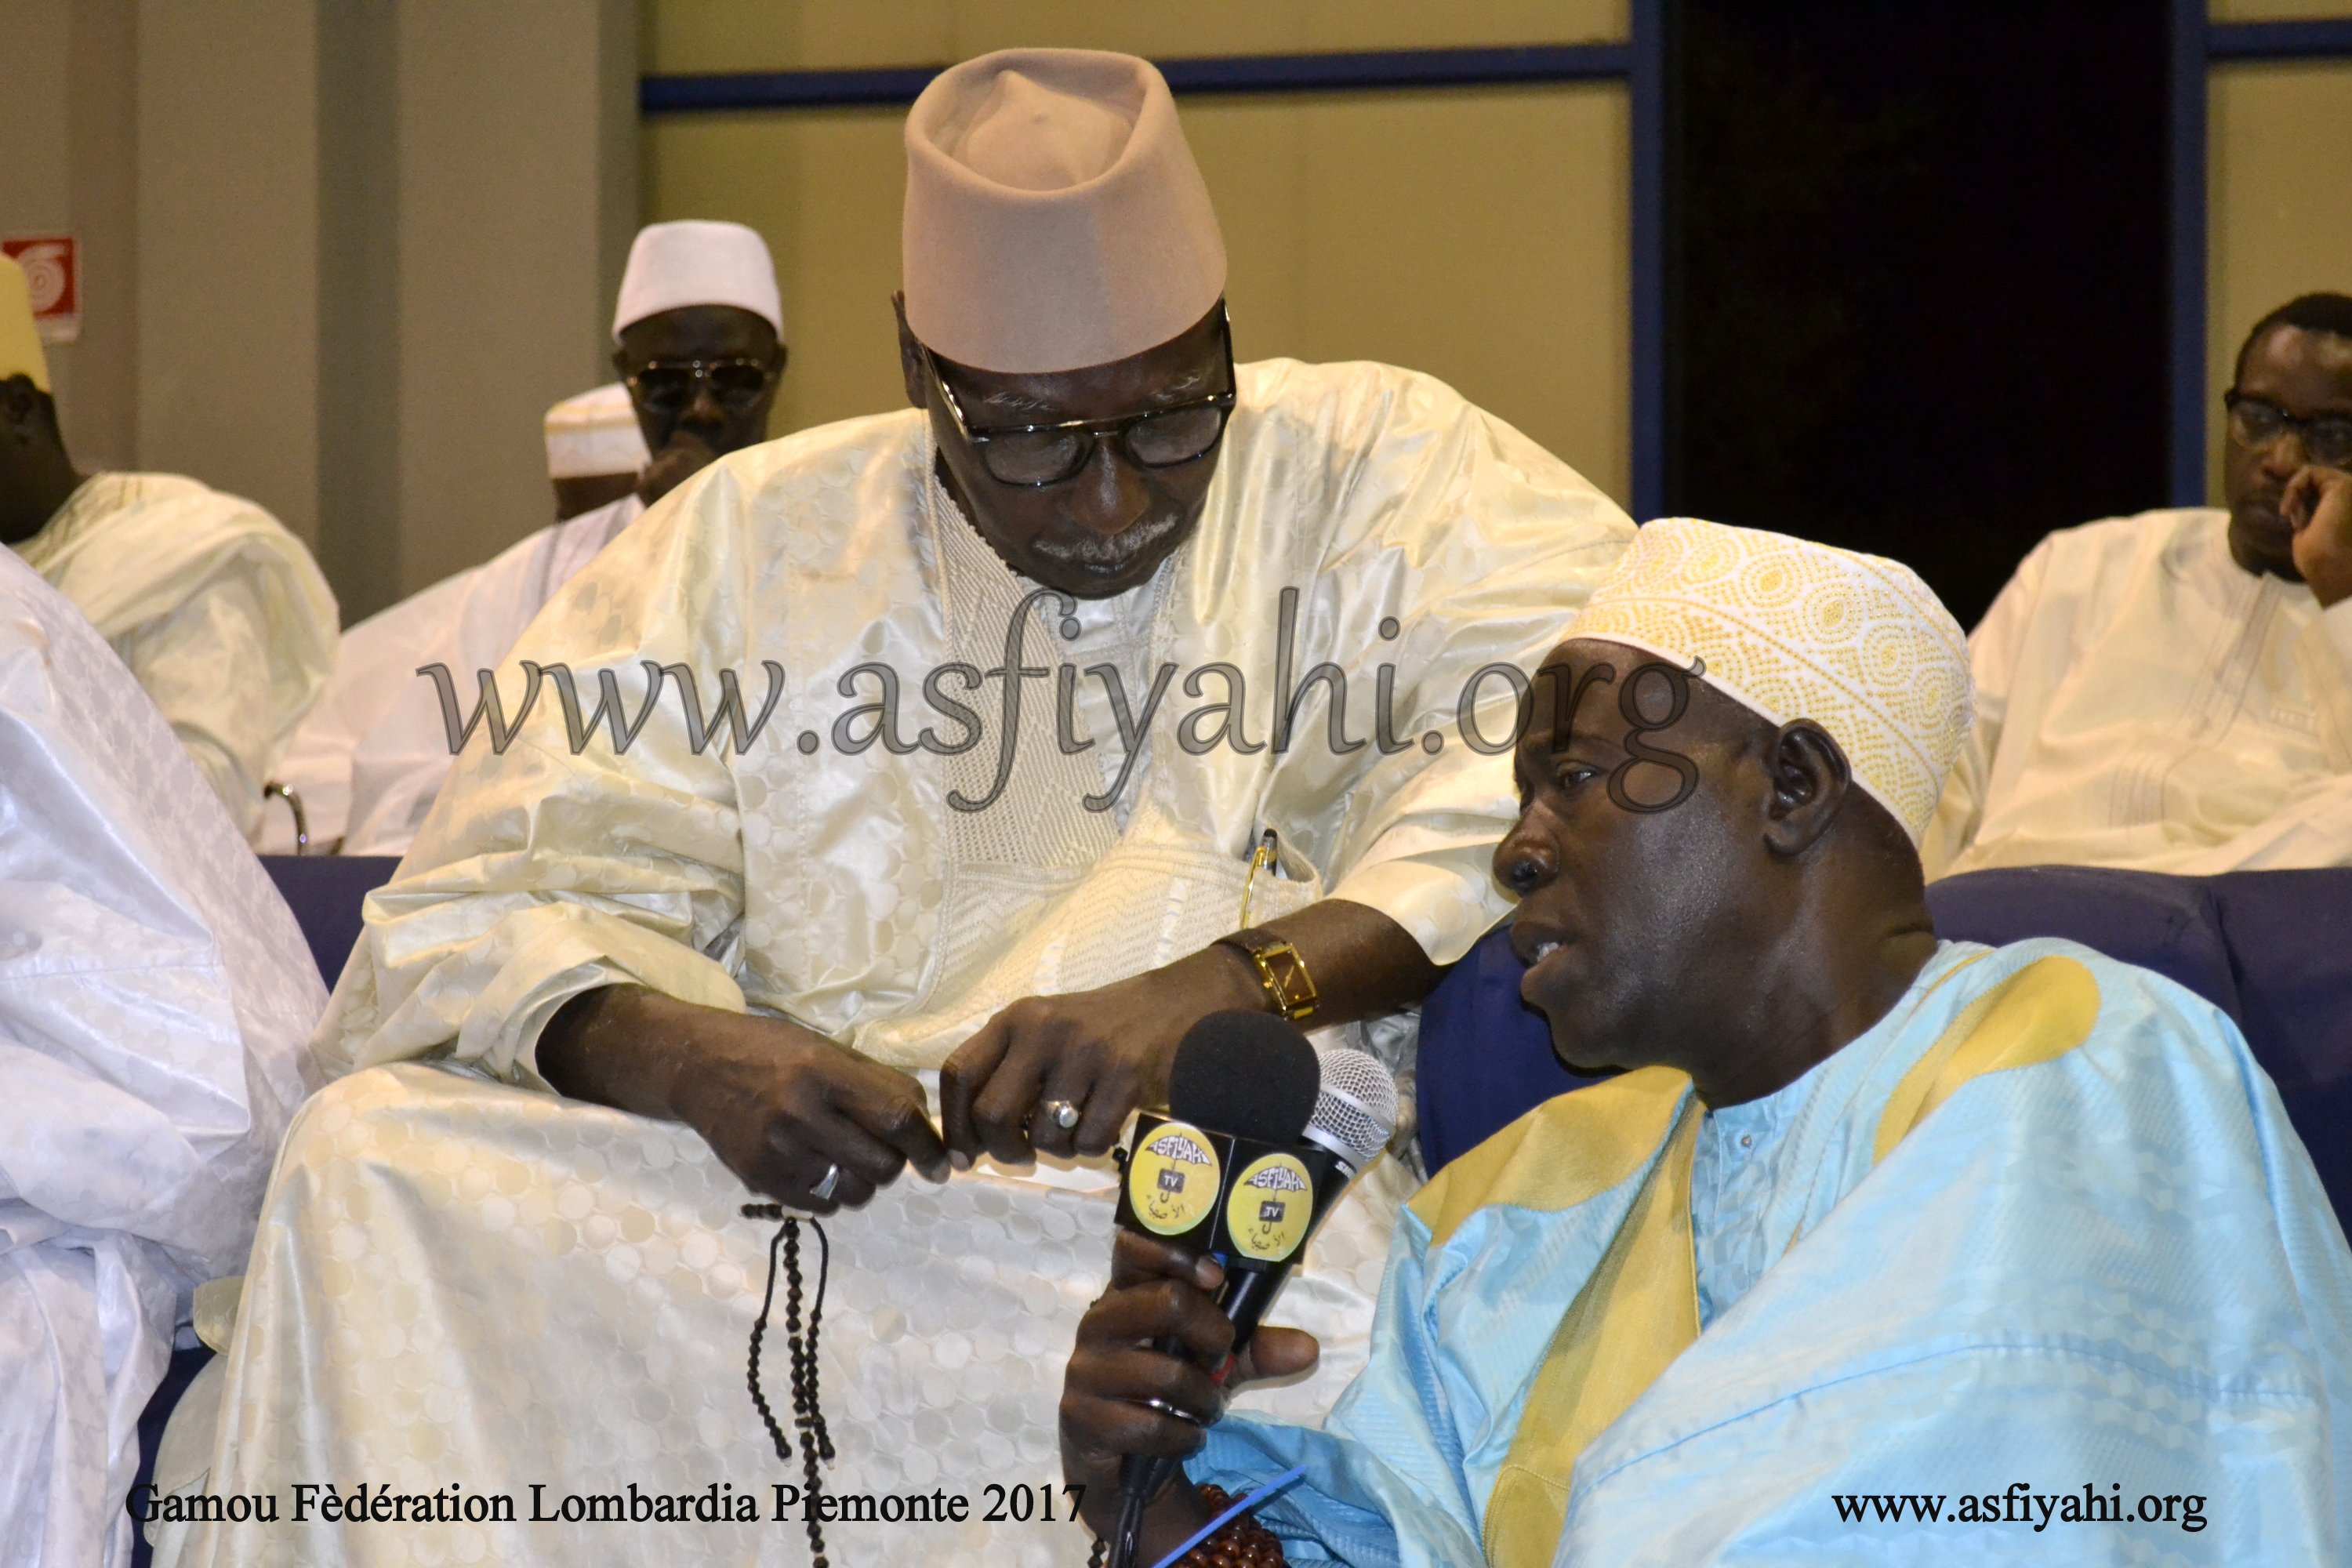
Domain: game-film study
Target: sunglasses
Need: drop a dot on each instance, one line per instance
(669, 387)
(1036, 456)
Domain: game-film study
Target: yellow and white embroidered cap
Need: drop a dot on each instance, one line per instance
(1792, 629)
(20, 341)
(593, 435)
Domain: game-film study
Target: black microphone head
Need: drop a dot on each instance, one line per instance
(1250, 1074)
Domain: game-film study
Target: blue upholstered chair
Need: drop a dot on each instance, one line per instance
(2272, 949)
(324, 892)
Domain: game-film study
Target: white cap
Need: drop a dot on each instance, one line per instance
(694, 262)
(1790, 629)
(595, 435)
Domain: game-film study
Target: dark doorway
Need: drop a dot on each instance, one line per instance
(1917, 299)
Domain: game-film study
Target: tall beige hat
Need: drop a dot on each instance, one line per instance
(20, 341)
(1790, 629)
(1054, 216)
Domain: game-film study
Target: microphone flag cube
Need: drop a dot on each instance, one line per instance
(1252, 1205)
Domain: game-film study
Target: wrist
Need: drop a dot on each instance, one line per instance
(573, 1052)
(1280, 970)
(1231, 976)
(624, 1046)
(1179, 1513)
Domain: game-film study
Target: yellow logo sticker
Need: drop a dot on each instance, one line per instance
(1268, 1211)
(1172, 1182)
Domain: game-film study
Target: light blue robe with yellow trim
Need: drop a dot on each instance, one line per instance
(2113, 1267)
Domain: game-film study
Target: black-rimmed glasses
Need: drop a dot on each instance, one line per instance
(1035, 456)
(668, 387)
(2257, 421)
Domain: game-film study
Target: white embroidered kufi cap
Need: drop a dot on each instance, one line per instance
(595, 435)
(1791, 629)
(1054, 216)
(20, 341)
(695, 262)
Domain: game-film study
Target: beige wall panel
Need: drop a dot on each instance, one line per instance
(98, 373)
(359, 306)
(2280, 209)
(228, 221)
(36, 117)
(503, 301)
(37, 35)
(2277, 10)
(1481, 237)
(824, 189)
(68, 119)
(807, 35)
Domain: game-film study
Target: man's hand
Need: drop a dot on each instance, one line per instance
(2318, 502)
(1104, 1051)
(1157, 1292)
(1108, 1051)
(683, 456)
(778, 1104)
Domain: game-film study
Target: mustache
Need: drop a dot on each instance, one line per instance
(1107, 551)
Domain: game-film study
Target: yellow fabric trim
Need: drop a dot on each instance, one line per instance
(1565, 1151)
(20, 343)
(1633, 1317)
(2044, 1010)
(1640, 1308)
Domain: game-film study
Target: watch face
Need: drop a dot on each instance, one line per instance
(1294, 991)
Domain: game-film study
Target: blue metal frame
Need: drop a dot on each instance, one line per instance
(2317, 39)
(1641, 63)
(1197, 76)
(2197, 46)
(718, 91)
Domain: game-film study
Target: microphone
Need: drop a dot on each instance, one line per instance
(1355, 1111)
(1355, 1106)
(1264, 1132)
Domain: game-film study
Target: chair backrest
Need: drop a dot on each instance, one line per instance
(2272, 949)
(325, 892)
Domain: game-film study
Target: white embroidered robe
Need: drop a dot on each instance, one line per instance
(216, 608)
(476, 1281)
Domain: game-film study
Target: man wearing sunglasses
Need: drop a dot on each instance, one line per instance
(699, 343)
(698, 337)
(1115, 551)
(2173, 692)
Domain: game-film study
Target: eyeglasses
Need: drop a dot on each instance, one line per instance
(1035, 456)
(669, 386)
(2256, 422)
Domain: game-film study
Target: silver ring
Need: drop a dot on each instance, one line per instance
(1065, 1114)
(1165, 1408)
(823, 1189)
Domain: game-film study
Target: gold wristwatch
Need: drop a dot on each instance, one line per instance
(1279, 968)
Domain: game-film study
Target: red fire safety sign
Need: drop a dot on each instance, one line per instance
(52, 264)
